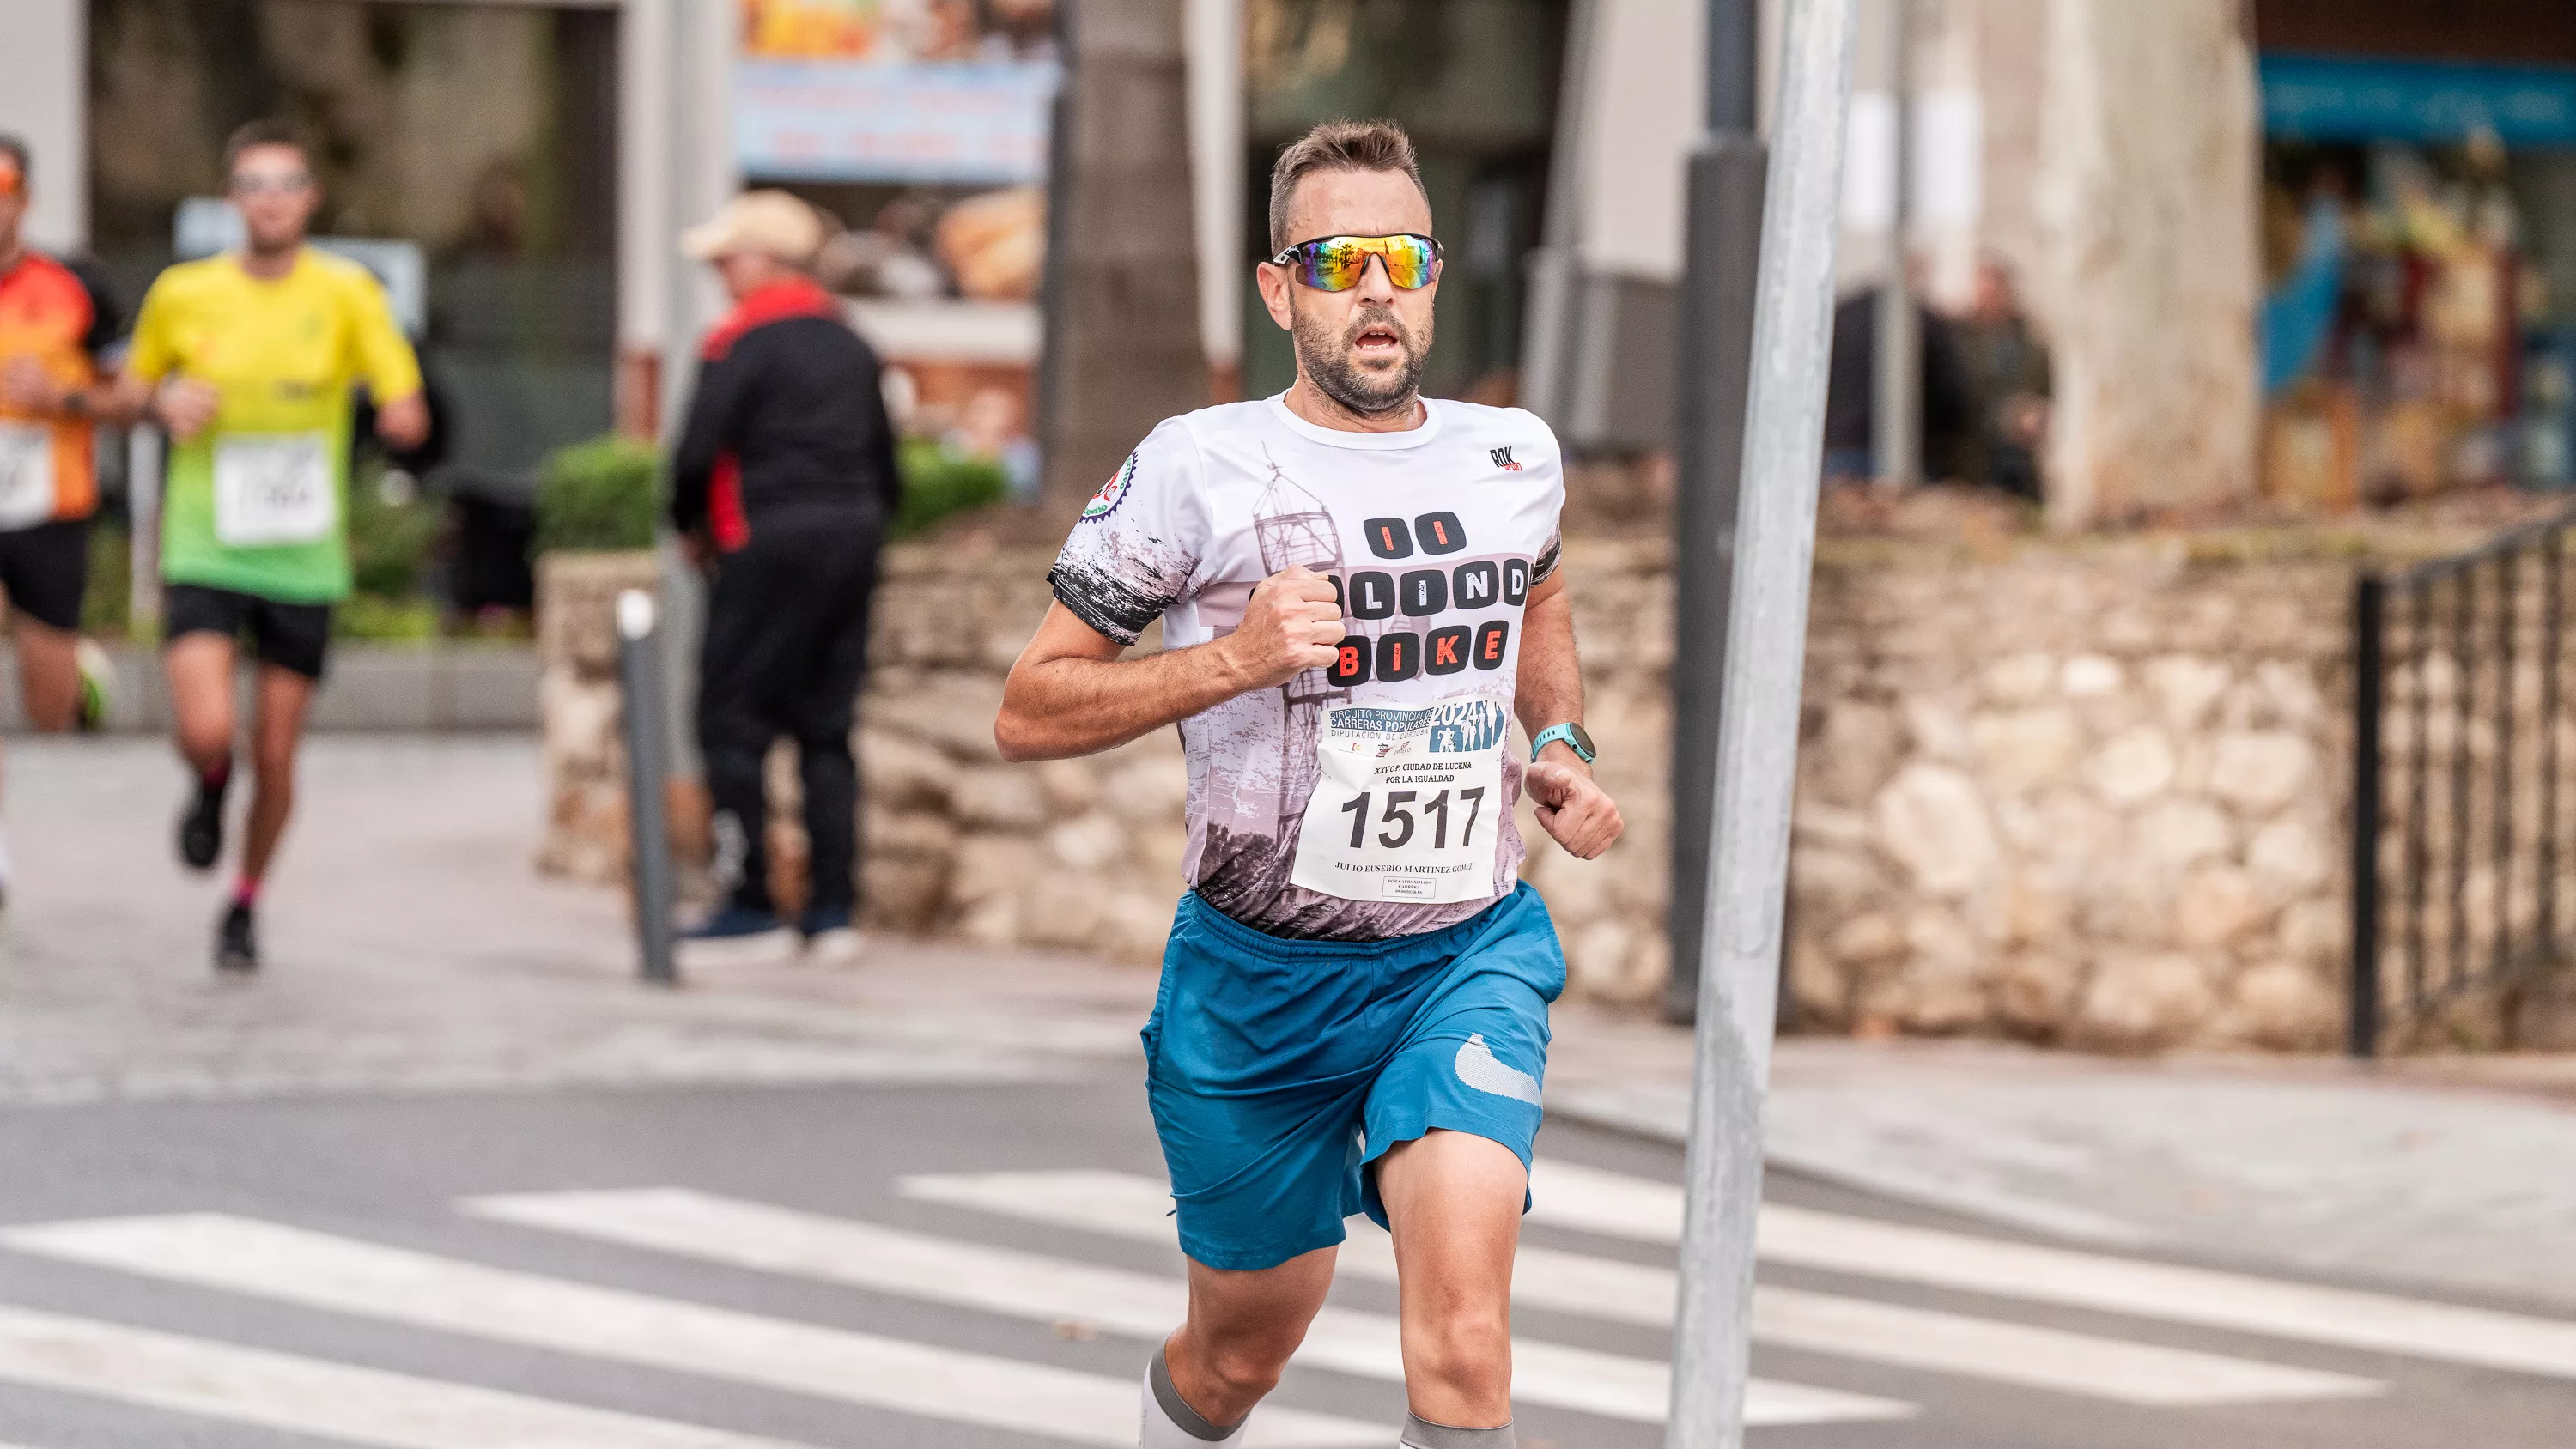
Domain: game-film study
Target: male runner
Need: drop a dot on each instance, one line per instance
(56, 324)
(1358, 591)
(250, 359)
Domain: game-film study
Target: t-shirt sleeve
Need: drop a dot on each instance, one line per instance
(384, 358)
(1552, 476)
(154, 352)
(1136, 550)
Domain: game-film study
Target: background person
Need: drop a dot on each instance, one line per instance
(57, 325)
(251, 360)
(783, 481)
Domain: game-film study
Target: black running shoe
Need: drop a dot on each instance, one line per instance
(236, 948)
(201, 825)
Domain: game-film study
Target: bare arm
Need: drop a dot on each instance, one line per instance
(1549, 690)
(1070, 693)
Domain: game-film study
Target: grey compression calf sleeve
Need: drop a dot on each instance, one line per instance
(1170, 1422)
(1421, 1433)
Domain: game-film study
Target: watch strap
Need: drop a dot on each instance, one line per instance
(1565, 732)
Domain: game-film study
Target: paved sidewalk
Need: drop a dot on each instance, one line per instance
(2459, 1173)
(413, 948)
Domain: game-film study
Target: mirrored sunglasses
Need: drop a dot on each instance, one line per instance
(1336, 263)
(258, 184)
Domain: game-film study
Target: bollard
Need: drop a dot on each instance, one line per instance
(648, 766)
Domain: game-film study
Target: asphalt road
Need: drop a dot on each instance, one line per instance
(413, 1269)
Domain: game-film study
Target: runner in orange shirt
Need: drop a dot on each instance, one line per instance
(55, 322)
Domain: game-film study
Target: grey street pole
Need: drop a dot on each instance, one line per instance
(648, 771)
(1723, 247)
(1758, 727)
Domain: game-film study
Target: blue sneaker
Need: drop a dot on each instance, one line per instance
(831, 938)
(738, 936)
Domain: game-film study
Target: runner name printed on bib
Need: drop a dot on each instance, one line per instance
(1407, 806)
(274, 488)
(26, 475)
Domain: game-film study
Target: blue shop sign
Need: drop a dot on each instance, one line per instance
(2351, 98)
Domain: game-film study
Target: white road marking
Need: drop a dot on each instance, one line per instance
(1027, 1285)
(1621, 1206)
(306, 1396)
(319, 1271)
(1859, 1328)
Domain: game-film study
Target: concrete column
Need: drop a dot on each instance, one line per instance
(1124, 349)
(645, 225)
(2146, 196)
(1214, 42)
(44, 101)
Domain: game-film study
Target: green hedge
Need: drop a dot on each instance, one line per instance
(606, 494)
(599, 496)
(937, 483)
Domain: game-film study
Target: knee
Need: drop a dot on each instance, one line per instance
(1248, 1365)
(205, 741)
(1468, 1353)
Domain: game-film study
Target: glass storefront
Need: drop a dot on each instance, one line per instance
(2419, 329)
(480, 140)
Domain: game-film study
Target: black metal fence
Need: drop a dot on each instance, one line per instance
(2464, 828)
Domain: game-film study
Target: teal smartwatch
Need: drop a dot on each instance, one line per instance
(1574, 737)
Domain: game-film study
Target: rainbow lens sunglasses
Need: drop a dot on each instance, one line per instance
(1336, 263)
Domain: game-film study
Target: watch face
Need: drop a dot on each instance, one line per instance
(1582, 742)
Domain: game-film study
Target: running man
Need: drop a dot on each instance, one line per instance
(251, 360)
(56, 326)
(1358, 592)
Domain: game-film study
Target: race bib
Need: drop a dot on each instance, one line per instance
(26, 475)
(273, 488)
(1408, 803)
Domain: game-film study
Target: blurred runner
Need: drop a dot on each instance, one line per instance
(783, 483)
(251, 360)
(1359, 593)
(56, 326)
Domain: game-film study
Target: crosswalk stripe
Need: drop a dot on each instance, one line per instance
(2030, 1357)
(1617, 1205)
(316, 1270)
(306, 1396)
(1026, 1285)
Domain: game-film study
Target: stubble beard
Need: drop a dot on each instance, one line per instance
(1324, 356)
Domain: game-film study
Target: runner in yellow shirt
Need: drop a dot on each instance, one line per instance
(251, 359)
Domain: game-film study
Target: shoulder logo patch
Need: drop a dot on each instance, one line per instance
(1503, 459)
(1112, 493)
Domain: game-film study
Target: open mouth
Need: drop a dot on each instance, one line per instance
(1378, 339)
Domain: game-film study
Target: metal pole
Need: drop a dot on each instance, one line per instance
(1758, 728)
(2369, 698)
(648, 771)
(1896, 414)
(1725, 242)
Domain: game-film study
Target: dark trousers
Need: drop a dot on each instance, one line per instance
(786, 648)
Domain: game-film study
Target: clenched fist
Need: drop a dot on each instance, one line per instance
(1290, 626)
(1576, 811)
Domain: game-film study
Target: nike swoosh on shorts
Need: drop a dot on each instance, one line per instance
(1479, 1068)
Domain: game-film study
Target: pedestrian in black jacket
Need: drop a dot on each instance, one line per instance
(783, 483)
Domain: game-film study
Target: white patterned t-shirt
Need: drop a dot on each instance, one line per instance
(1434, 538)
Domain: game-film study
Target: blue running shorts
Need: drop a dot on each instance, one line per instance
(1279, 1070)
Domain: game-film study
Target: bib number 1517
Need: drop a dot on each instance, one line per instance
(1399, 820)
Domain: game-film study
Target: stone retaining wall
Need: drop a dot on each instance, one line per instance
(2078, 792)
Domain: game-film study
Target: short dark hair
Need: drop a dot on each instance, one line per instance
(16, 151)
(266, 131)
(1338, 146)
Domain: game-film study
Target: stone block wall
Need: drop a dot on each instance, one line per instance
(2077, 792)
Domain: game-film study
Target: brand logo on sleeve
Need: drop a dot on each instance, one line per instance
(1503, 459)
(1112, 493)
